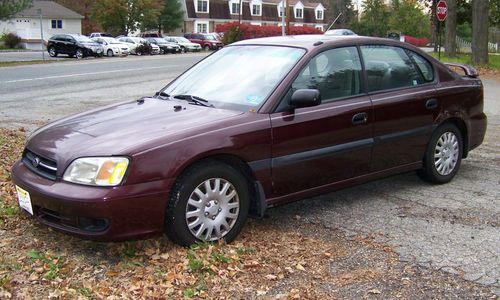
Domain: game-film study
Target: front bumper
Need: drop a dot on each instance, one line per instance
(98, 213)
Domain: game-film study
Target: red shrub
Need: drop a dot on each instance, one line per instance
(247, 31)
(419, 42)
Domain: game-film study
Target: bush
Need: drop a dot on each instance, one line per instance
(11, 40)
(234, 32)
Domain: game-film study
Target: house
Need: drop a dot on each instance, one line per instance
(55, 19)
(203, 16)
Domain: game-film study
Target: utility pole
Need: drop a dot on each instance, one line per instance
(282, 8)
(287, 10)
(41, 32)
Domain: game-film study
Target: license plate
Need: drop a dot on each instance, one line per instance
(24, 200)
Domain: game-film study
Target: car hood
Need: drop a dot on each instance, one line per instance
(122, 129)
(189, 44)
(91, 44)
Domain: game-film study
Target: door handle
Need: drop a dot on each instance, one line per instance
(431, 103)
(360, 118)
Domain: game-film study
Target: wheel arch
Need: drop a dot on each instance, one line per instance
(462, 127)
(258, 203)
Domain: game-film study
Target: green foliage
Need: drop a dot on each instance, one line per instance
(493, 61)
(9, 8)
(124, 16)
(172, 16)
(235, 34)
(341, 6)
(374, 21)
(408, 17)
(11, 40)
(465, 31)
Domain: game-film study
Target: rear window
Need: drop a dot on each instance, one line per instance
(423, 65)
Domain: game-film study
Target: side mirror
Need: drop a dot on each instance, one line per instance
(305, 98)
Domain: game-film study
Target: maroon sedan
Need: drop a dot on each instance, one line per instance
(259, 123)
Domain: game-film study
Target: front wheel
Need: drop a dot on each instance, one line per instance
(110, 53)
(206, 48)
(443, 155)
(79, 54)
(183, 49)
(209, 202)
(52, 51)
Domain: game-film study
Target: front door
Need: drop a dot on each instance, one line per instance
(319, 145)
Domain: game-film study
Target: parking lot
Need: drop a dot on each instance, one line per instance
(450, 232)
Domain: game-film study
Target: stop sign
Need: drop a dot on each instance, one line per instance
(441, 10)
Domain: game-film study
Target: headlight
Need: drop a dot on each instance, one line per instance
(99, 171)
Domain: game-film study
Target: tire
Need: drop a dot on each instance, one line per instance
(162, 51)
(206, 48)
(183, 49)
(191, 203)
(446, 142)
(52, 51)
(138, 53)
(79, 53)
(110, 53)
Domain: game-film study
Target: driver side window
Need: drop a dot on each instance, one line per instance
(336, 73)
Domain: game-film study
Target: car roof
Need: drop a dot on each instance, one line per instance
(311, 41)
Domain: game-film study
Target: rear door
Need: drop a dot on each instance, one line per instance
(318, 145)
(402, 90)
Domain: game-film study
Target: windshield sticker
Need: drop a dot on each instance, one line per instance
(253, 99)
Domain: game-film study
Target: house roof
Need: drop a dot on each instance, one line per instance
(50, 9)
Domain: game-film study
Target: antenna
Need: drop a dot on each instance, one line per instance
(334, 21)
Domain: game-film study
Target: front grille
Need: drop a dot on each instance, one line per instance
(40, 165)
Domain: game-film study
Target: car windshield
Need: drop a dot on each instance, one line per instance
(181, 39)
(210, 37)
(237, 77)
(161, 40)
(82, 39)
(111, 40)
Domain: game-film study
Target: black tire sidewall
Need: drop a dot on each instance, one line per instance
(112, 54)
(55, 52)
(175, 221)
(430, 170)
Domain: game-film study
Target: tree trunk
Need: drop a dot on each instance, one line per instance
(480, 9)
(435, 38)
(450, 43)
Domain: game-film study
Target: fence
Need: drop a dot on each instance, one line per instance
(466, 47)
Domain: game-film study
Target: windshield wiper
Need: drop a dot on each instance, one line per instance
(194, 99)
(162, 95)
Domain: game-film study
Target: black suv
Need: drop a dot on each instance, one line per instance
(73, 45)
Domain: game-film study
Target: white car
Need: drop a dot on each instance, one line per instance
(339, 32)
(184, 43)
(112, 46)
(134, 42)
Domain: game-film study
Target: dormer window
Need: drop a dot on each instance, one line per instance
(202, 6)
(281, 9)
(256, 8)
(235, 7)
(299, 10)
(319, 12)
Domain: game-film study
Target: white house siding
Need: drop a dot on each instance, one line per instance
(29, 29)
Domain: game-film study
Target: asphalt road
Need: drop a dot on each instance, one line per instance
(451, 228)
(34, 94)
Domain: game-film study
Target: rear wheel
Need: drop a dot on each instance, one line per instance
(206, 48)
(209, 202)
(443, 156)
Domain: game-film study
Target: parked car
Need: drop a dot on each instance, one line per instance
(112, 46)
(149, 34)
(185, 44)
(139, 46)
(100, 34)
(73, 45)
(206, 41)
(339, 32)
(165, 46)
(292, 118)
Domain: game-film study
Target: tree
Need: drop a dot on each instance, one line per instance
(84, 8)
(335, 7)
(408, 17)
(374, 20)
(125, 16)
(450, 42)
(480, 10)
(171, 17)
(9, 8)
